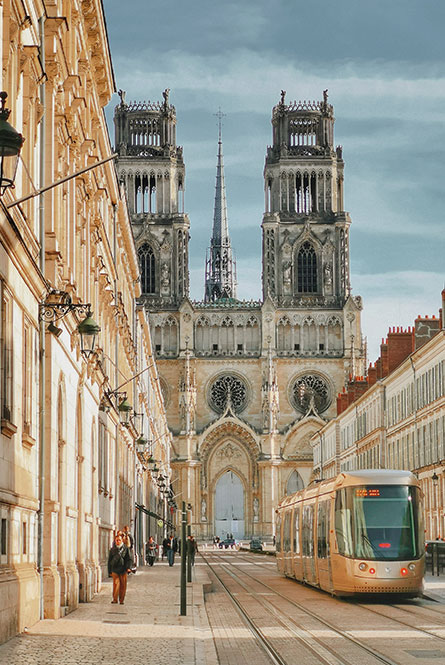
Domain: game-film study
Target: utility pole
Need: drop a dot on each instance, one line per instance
(183, 555)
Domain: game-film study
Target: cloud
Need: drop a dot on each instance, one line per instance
(396, 299)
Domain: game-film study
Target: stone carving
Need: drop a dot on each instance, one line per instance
(203, 510)
(165, 276)
(287, 273)
(256, 509)
(228, 453)
(228, 391)
(328, 275)
(310, 394)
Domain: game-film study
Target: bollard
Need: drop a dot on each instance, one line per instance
(189, 556)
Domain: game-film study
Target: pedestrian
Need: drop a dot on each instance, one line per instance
(119, 565)
(151, 551)
(128, 538)
(172, 547)
(192, 548)
(164, 547)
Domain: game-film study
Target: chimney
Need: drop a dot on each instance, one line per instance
(400, 346)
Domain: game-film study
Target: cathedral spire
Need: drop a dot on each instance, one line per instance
(220, 275)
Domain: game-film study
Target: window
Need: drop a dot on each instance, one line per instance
(6, 355)
(148, 269)
(24, 538)
(278, 532)
(307, 531)
(322, 528)
(297, 530)
(3, 536)
(307, 269)
(286, 531)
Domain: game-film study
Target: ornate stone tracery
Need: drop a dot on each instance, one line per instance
(228, 391)
(310, 390)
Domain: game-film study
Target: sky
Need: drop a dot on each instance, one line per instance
(384, 66)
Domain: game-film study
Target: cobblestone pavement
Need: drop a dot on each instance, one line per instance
(146, 630)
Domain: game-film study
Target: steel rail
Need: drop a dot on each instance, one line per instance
(257, 632)
(403, 609)
(378, 656)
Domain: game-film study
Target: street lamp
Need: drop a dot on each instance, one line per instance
(58, 304)
(435, 478)
(124, 409)
(10, 145)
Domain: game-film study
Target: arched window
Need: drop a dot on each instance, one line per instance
(307, 269)
(294, 483)
(148, 272)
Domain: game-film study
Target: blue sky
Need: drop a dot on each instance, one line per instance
(384, 66)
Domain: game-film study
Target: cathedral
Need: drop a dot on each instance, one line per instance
(246, 384)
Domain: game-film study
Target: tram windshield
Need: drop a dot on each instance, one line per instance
(378, 522)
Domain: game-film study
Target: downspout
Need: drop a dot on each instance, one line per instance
(116, 373)
(42, 350)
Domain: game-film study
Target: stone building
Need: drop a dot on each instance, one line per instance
(245, 384)
(68, 465)
(395, 418)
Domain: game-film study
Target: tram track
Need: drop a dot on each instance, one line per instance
(323, 652)
(397, 607)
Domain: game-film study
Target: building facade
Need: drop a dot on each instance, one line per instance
(396, 420)
(70, 470)
(245, 383)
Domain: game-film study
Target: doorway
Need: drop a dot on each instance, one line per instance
(229, 506)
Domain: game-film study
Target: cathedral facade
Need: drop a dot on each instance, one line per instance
(246, 384)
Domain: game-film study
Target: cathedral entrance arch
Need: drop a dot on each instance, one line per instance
(229, 506)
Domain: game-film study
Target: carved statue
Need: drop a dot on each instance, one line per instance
(165, 275)
(256, 509)
(203, 510)
(287, 271)
(165, 95)
(283, 95)
(328, 274)
(122, 94)
(325, 97)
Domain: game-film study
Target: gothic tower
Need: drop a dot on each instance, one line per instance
(305, 229)
(220, 277)
(151, 167)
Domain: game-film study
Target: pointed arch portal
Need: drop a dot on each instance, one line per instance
(229, 506)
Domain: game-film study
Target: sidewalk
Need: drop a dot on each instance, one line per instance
(146, 630)
(434, 587)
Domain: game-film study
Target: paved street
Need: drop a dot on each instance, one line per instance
(146, 630)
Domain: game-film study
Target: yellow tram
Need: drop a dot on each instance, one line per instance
(361, 532)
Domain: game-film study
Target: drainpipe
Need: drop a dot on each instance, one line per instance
(42, 350)
(116, 375)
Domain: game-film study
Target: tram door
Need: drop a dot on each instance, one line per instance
(229, 506)
(323, 553)
(308, 543)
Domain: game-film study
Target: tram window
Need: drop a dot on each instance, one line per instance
(307, 530)
(278, 533)
(297, 530)
(322, 543)
(286, 532)
(343, 526)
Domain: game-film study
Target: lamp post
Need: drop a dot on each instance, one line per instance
(58, 304)
(183, 551)
(10, 146)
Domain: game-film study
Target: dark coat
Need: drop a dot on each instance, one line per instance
(119, 560)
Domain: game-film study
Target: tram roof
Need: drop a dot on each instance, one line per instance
(351, 478)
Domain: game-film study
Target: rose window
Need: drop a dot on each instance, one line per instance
(310, 389)
(228, 389)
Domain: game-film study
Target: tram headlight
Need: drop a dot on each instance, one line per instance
(403, 572)
(412, 566)
(362, 566)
